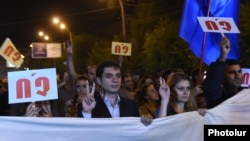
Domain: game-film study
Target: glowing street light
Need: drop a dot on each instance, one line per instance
(61, 25)
(45, 37)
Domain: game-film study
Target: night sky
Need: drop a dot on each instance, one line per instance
(21, 20)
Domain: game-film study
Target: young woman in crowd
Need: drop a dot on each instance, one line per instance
(147, 98)
(179, 100)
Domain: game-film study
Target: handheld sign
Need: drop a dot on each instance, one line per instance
(245, 77)
(32, 85)
(218, 24)
(121, 48)
(10, 53)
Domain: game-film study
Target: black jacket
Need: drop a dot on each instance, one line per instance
(128, 108)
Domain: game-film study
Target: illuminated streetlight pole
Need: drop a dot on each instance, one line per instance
(123, 29)
(63, 26)
(41, 34)
(123, 20)
(46, 38)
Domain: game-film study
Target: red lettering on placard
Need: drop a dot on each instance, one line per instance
(125, 49)
(211, 25)
(8, 51)
(225, 25)
(44, 83)
(245, 78)
(23, 88)
(16, 57)
(117, 49)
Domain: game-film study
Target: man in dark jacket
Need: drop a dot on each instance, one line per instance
(223, 78)
(107, 103)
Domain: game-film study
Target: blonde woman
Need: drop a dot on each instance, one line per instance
(179, 100)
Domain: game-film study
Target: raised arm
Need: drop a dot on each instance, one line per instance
(70, 64)
(165, 96)
(212, 86)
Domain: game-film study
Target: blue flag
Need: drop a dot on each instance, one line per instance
(191, 31)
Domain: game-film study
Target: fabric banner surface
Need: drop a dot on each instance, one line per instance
(235, 110)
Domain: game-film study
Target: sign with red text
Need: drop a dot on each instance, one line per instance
(10, 53)
(46, 50)
(218, 24)
(32, 85)
(245, 77)
(121, 48)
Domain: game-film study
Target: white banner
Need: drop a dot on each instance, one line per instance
(181, 127)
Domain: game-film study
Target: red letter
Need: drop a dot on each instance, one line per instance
(211, 25)
(245, 78)
(125, 49)
(117, 49)
(42, 81)
(17, 56)
(226, 25)
(8, 51)
(23, 85)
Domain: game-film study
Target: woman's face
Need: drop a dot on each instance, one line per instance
(152, 94)
(182, 90)
(81, 86)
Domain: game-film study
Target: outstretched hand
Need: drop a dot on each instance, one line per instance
(164, 89)
(42, 109)
(224, 48)
(146, 120)
(69, 48)
(88, 101)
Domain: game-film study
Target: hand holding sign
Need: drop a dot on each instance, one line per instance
(39, 109)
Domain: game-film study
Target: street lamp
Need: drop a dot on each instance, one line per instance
(123, 29)
(61, 25)
(41, 34)
(120, 57)
(123, 20)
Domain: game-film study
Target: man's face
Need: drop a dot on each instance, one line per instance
(233, 75)
(92, 74)
(111, 80)
(129, 82)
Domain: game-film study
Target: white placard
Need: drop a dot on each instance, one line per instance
(32, 85)
(218, 24)
(121, 48)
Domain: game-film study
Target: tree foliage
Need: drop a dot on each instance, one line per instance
(244, 22)
(164, 49)
(152, 28)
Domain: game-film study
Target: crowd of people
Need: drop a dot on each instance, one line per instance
(108, 91)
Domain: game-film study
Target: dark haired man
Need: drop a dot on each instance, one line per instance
(108, 104)
(223, 79)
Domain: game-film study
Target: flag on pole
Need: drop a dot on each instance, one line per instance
(191, 31)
